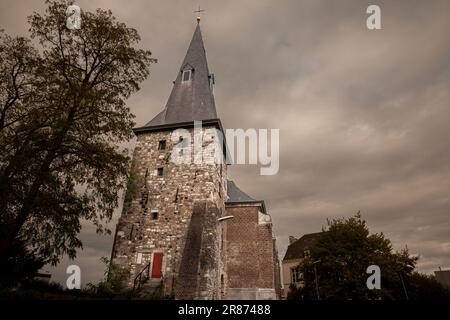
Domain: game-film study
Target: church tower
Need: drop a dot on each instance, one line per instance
(185, 230)
(168, 235)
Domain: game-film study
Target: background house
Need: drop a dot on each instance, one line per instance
(296, 252)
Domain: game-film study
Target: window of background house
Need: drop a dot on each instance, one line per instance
(160, 172)
(155, 215)
(295, 275)
(306, 253)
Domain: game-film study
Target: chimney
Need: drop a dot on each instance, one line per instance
(292, 239)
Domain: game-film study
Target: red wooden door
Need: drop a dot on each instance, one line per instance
(157, 264)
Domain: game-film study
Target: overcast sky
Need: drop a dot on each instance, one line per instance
(363, 115)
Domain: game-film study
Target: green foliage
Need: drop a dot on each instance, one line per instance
(113, 283)
(111, 287)
(43, 287)
(62, 118)
(35, 290)
(132, 185)
(425, 287)
(20, 266)
(344, 252)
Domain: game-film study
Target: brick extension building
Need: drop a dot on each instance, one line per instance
(174, 235)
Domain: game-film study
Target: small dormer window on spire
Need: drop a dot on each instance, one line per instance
(186, 76)
(212, 80)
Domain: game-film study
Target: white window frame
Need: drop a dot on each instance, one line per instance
(190, 75)
(296, 275)
(139, 258)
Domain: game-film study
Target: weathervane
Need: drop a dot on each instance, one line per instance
(199, 11)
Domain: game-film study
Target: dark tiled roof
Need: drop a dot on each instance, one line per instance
(237, 195)
(296, 249)
(191, 100)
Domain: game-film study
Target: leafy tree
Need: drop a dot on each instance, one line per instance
(21, 266)
(132, 184)
(113, 283)
(425, 287)
(64, 116)
(341, 255)
(19, 135)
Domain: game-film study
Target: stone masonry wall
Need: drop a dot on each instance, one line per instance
(158, 217)
(199, 268)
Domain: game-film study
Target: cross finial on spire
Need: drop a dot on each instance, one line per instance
(198, 12)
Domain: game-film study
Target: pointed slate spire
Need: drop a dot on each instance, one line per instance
(236, 196)
(191, 99)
